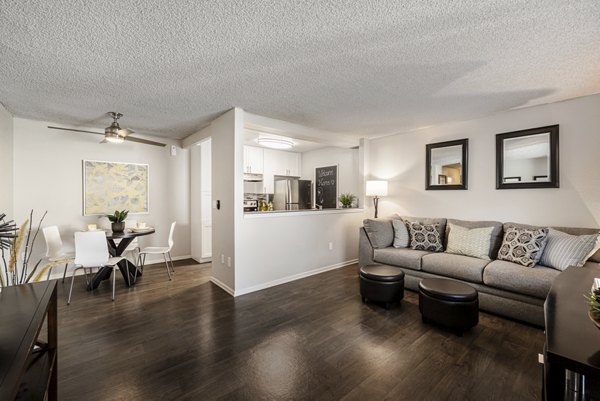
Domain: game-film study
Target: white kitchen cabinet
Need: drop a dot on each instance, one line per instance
(278, 162)
(253, 160)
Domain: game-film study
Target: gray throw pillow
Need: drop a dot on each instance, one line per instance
(380, 232)
(425, 237)
(473, 242)
(564, 250)
(523, 246)
(401, 237)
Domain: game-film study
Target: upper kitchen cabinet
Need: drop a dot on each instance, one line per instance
(277, 162)
(253, 160)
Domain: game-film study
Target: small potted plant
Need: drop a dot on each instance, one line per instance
(347, 199)
(118, 220)
(594, 306)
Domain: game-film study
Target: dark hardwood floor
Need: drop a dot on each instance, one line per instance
(311, 339)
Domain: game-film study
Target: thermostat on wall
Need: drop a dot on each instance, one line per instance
(173, 150)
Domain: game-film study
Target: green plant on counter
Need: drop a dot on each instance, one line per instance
(118, 217)
(347, 199)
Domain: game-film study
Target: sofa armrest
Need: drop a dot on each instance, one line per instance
(365, 249)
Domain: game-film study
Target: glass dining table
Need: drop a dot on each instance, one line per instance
(126, 267)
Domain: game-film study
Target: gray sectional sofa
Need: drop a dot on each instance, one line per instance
(505, 288)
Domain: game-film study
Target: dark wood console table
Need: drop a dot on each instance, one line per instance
(28, 366)
(572, 340)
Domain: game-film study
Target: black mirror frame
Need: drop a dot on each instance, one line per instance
(464, 167)
(554, 172)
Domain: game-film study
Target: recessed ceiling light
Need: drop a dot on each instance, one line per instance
(275, 143)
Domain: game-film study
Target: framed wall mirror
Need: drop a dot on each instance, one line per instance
(446, 164)
(527, 158)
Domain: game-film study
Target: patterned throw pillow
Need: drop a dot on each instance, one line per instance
(469, 241)
(564, 250)
(523, 246)
(401, 237)
(425, 237)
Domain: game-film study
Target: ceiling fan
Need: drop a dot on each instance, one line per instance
(114, 133)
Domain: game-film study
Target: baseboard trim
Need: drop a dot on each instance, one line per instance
(222, 285)
(293, 277)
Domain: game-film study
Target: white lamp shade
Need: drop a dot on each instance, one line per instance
(377, 188)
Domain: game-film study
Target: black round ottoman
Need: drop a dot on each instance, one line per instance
(449, 303)
(381, 283)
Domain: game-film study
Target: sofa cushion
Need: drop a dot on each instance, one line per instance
(473, 242)
(496, 236)
(520, 279)
(429, 220)
(380, 232)
(403, 257)
(523, 245)
(401, 236)
(563, 250)
(456, 266)
(425, 237)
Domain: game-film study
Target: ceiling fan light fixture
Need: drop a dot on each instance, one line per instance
(275, 143)
(112, 137)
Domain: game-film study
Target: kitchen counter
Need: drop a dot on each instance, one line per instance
(303, 212)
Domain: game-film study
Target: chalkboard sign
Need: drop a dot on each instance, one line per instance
(326, 180)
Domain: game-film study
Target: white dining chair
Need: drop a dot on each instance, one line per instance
(91, 251)
(158, 250)
(54, 249)
(134, 246)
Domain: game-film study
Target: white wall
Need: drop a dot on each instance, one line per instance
(348, 170)
(6, 162)
(401, 160)
(200, 201)
(279, 249)
(227, 155)
(48, 176)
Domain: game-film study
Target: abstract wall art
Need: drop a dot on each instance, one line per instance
(110, 186)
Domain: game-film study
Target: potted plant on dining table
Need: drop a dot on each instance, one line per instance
(118, 220)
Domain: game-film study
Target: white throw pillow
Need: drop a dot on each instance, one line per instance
(564, 250)
(473, 242)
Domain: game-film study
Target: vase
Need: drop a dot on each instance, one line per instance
(118, 227)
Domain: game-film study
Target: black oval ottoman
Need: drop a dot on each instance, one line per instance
(449, 303)
(381, 283)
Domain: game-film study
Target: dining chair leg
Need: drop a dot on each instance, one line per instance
(171, 259)
(71, 290)
(167, 264)
(65, 272)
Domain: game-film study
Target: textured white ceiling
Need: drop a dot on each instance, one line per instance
(360, 67)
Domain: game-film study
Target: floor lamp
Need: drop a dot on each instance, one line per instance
(376, 189)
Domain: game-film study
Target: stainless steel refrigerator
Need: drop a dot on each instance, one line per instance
(292, 193)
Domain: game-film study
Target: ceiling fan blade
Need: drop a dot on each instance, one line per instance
(125, 131)
(76, 130)
(145, 141)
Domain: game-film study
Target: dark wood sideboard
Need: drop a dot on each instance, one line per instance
(28, 365)
(572, 339)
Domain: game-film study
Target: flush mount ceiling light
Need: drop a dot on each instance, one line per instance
(275, 143)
